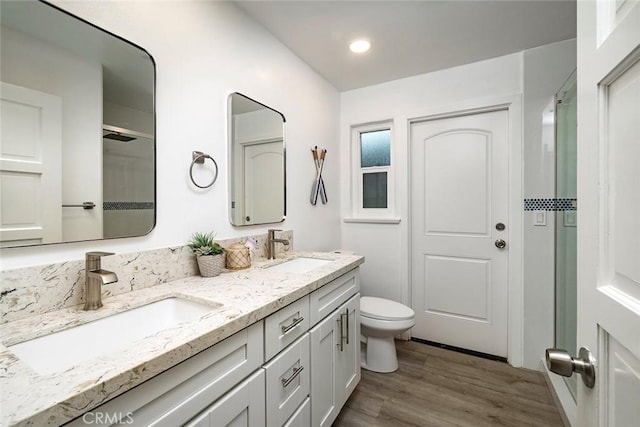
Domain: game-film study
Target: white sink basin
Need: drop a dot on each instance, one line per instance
(299, 265)
(62, 350)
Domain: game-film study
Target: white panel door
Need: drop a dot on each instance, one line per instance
(458, 196)
(264, 181)
(30, 165)
(608, 42)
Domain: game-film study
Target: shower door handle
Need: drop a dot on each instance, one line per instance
(560, 362)
(500, 244)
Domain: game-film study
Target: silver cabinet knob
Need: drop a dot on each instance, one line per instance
(560, 362)
(500, 244)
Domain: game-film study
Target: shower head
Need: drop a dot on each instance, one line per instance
(118, 137)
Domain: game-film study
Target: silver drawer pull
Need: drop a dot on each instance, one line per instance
(296, 372)
(296, 321)
(340, 321)
(347, 322)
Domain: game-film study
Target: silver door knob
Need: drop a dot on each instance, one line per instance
(501, 244)
(560, 362)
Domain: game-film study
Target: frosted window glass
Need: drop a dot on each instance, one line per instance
(375, 148)
(374, 190)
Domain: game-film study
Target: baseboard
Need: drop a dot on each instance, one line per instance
(461, 350)
(561, 396)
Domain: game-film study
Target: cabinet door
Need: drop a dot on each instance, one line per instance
(335, 361)
(324, 401)
(243, 406)
(348, 355)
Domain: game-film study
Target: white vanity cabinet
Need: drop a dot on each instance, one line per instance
(335, 346)
(332, 347)
(294, 368)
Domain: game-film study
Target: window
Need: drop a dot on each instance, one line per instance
(372, 182)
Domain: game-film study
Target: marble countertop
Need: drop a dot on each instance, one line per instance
(245, 297)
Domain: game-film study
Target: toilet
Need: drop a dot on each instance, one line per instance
(381, 320)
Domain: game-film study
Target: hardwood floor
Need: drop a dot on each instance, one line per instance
(437, 387)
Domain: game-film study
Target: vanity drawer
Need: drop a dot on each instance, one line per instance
(288, 382)
(178, 394)
(284, 326)
(329, 297)
(302, 417)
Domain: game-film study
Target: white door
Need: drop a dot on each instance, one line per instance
(30, 166)
(263, 182)
(459, 217)
(608, 42)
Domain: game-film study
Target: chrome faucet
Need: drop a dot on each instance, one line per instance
(271, 243)
(95, 278)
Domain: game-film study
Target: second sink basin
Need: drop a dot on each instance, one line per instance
(299, 265)
(62, 350)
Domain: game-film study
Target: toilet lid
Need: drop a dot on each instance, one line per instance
(384, 309)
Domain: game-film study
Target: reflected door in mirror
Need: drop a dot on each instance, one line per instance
(263, 173)
(53, 164)
(256, 162)
(30, 180)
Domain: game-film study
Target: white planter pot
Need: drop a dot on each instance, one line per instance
(210, 265)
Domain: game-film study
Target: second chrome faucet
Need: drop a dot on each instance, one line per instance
(271, 243)
(95, 278)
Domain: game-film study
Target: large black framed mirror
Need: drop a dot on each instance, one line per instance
(257, 162)
(77, 147)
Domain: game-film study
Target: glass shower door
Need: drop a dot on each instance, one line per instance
(566, 218)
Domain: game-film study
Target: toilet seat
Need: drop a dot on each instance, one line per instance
(384, 309)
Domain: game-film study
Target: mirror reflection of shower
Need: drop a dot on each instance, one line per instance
(128, 182)
(566, 221)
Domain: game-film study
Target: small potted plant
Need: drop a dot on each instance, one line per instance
(209, 254)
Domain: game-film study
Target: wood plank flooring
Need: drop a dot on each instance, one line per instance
(437, 387)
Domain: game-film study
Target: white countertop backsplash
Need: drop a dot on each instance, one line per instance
(25, 292)
(246, 296)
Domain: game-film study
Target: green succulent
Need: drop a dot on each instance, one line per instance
(203, 244)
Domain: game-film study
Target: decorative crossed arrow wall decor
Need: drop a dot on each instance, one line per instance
(318, 187)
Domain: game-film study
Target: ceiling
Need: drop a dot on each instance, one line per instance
(409, 37)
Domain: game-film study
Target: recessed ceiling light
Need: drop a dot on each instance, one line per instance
(360, 46)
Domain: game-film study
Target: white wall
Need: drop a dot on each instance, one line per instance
(535, 75)
(127, 118)
(204, 51)
(78, 82)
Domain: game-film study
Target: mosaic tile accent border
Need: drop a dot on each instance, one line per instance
(550, 204)
(126, 206)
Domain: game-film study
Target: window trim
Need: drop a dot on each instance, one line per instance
(359, 213)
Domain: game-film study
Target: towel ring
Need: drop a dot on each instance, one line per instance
(199, 157)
